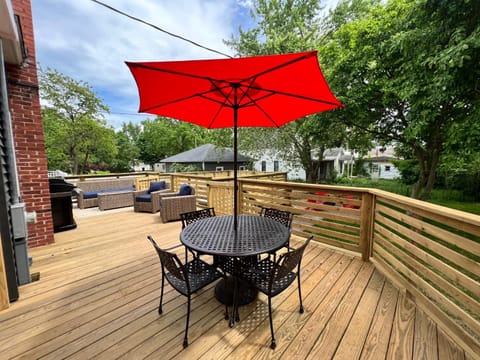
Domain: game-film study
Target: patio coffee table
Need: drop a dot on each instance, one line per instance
(216, 236)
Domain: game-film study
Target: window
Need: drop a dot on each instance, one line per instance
(264, 165)
(387, 167)
(276, 165)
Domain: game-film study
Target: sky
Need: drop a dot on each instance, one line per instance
(88, 42)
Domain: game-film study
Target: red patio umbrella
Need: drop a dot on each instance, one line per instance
(252, 91)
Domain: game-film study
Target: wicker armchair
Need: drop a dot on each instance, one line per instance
(174, 204)
(148, 200)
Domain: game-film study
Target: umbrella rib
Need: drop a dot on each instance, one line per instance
(148, 67)
(200, 94)
(269, 70)
(303, 97)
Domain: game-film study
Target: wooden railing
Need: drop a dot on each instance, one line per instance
(429, 251)
(333, 215)
(143, 183)
(202, 180)
(433, 253)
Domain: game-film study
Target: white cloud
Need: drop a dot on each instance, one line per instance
(88, 42)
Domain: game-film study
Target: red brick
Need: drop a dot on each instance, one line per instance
(22, 83)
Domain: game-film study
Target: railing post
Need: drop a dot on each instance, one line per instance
(366, 225)
(240, 197)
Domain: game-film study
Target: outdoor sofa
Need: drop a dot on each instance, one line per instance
(112, 193)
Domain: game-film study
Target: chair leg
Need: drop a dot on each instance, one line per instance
(234, 315)
(300, 293)
(160, 310)
(185, 339)
(226, 302)
(273, 344)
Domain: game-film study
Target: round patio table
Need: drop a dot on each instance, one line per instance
(216, 236)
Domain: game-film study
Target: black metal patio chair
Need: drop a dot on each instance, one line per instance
(187, 278)
(273, 277)
(193, 216)
(283, 217)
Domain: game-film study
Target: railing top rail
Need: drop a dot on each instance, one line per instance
(313, 187)
(423, 205)
(434, 208)
(114, 175)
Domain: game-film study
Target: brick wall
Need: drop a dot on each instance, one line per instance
(22, 87)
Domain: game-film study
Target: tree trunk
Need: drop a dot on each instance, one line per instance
(428, 159)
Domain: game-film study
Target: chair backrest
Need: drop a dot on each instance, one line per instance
(287, 262)
(192, 216)
(283, 217)
(170, 262)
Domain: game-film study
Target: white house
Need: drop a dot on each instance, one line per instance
(142, 167)
(379, 163)
(269, 162)
(336, 160)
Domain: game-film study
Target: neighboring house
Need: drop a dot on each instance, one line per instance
(142, 167)
(271, 163)
(207, 157)
(335, 161)
(24, 185)
(379, 163)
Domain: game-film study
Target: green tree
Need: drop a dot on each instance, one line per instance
(74, 125)
(407, 72)
(128, 151)
(163, 137)
(284, 27)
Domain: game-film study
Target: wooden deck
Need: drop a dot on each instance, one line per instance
(98, 294)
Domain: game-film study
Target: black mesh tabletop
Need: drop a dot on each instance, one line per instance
(216, 236)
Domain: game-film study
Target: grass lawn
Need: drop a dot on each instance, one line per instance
(471, 207)
(447, 198)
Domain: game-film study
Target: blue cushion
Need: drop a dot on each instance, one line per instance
(90, 194)
(156, 186)
(143, 198)
(185, 189)
(94, 194)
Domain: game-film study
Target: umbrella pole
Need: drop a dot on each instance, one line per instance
(235, 158)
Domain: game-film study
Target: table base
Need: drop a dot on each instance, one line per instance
(224, 292)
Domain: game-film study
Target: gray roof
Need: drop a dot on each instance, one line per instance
(205, 153)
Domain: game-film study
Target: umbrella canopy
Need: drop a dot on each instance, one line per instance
(267, 91)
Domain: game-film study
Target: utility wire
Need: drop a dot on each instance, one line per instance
(160, 29)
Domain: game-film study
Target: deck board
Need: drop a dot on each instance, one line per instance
(98, 295)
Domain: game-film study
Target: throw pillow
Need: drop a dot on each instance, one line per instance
(185, 189)
(156, 186)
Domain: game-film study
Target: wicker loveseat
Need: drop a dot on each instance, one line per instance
(173, 204)
(88, 192)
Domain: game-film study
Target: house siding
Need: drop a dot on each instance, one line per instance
(27, 127)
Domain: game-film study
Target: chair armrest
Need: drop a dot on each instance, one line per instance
(139, 192)
(174, 247)
(160, 192)
(168, 193)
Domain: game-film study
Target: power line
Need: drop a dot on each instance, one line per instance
(160, 29)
